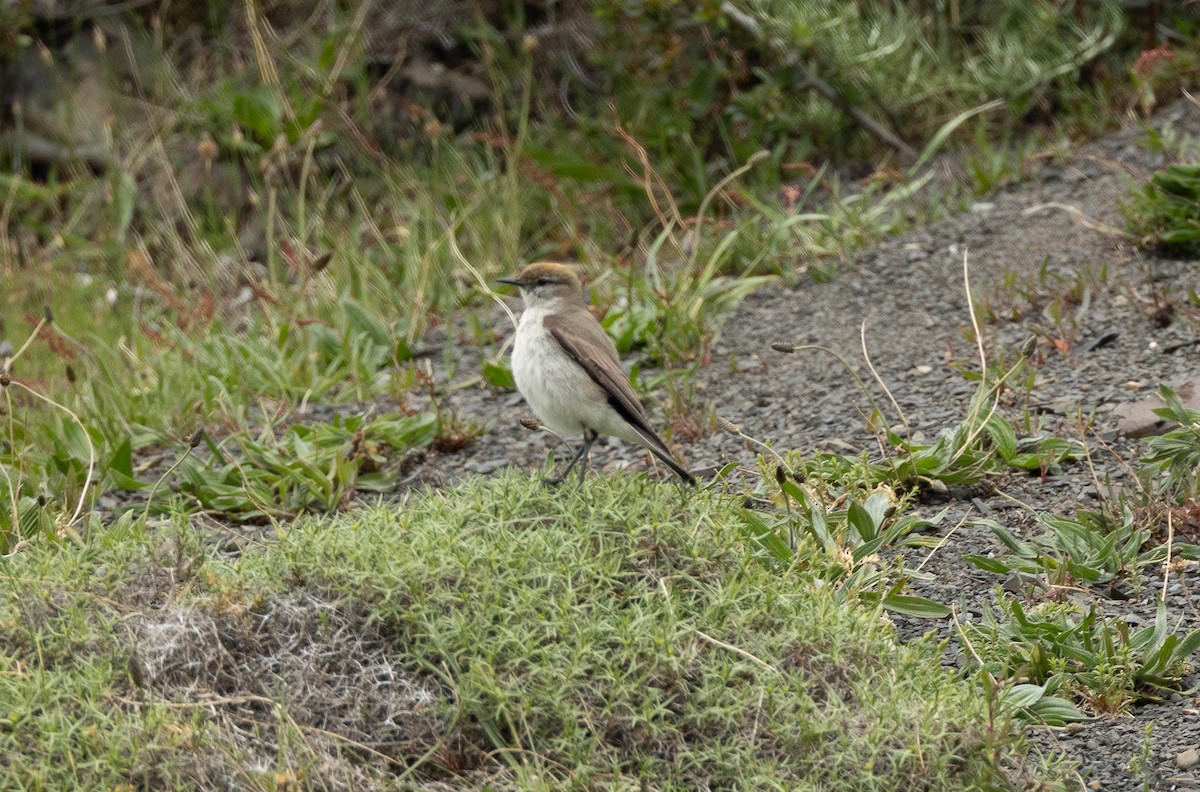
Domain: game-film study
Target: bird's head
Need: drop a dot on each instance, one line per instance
(547, 283)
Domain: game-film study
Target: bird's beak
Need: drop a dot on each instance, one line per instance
(511, 281)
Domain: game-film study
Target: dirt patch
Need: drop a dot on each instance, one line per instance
(352, 718)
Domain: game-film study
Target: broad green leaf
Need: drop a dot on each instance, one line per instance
(327, 342)
(417, 431)
(1188, 552)
(1188, 646)
(1055, 711)
(765, 536)
(796, 492)
(1002, 436)
(573, 166)
(75, 440)
(257, 110)
(867, 548)
(1180, 236)
(1023, 695)
(819, 529)
(993, 565)
(860, 521)
(121, 460)
(909, 605)
(1022, 549)
(375, 482)
(359, 321)
(876, 505)
(928, 542)
(498, 374)
(1025, 461)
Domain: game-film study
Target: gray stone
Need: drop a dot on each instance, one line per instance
(1137, 419)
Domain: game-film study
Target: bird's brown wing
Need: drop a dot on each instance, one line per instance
(582, 337)
(585, 341)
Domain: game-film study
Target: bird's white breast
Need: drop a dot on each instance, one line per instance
(559, 391)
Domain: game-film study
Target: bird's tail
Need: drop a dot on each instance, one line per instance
(656, 446)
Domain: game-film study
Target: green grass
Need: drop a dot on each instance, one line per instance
(70, 714)
(1173, 462)
(699, 74)
(1103, 663)
(577, 643)
(1166, 210)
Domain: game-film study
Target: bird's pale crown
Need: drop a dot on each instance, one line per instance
(546, 281)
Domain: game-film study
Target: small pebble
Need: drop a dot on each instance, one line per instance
(1185, 760)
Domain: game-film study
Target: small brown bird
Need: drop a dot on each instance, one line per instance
(568, 369)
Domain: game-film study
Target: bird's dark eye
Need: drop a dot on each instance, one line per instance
(541, 282)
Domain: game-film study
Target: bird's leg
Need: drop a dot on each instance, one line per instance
(589, 437)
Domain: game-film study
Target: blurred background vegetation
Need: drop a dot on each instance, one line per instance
(273, 133)
(233, 208)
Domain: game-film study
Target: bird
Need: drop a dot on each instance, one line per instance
(569, 372)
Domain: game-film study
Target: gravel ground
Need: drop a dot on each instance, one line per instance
(909, 291)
